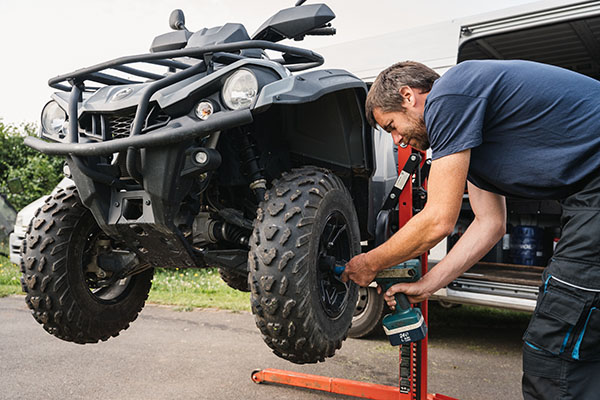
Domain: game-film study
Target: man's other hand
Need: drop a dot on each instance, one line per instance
(416, 292)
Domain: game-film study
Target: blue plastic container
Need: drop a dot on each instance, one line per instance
(526, 245)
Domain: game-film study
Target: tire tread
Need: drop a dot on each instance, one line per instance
(45, 281)
(279, 260)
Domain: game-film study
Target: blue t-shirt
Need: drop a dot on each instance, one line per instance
(533, 129)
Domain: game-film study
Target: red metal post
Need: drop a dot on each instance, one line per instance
(405, 201)
(422, 366)
(423, 344)
(425, 311)
(418, 351)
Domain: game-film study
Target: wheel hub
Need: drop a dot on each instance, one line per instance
(103, 281)
(334, 249)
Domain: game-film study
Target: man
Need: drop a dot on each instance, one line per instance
(513, 128)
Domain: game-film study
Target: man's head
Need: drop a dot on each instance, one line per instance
(396, 102)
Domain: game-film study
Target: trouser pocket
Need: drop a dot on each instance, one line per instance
(552, 327)
(587, 345)
(548, 377)
(542, 375)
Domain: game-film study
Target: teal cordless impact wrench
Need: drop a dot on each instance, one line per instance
(405, 324)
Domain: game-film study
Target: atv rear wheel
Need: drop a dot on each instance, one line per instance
(69, 294)
(301, 306)
(234, 280)
(368, 314)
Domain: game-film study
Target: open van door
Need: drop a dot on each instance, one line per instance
(565, 35)
(558, 33)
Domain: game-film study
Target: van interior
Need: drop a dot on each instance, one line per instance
(573, 45)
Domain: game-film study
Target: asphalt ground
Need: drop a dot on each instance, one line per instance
(210, 354)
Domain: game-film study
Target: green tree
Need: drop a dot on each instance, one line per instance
(38, 173)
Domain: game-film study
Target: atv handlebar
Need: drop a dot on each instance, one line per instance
(222, 52)
(325, 31)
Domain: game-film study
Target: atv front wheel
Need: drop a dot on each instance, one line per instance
(69, 294)
(301, 306)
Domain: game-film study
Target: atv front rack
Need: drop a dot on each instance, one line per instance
(303, 59)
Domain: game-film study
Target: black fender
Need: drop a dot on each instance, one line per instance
(322, 117)
(307, 87)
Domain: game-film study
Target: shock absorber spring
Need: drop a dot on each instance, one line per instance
(249, 158)
(228, 232)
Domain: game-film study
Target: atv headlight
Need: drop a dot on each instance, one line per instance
(204, 109)
(240, 89)
(53, 119)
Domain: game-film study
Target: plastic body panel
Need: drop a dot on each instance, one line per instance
(170, 41)
(307, 87)
(228, 33)
(293, 22)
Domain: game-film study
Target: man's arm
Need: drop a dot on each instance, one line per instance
(483, 233)
(436, 221)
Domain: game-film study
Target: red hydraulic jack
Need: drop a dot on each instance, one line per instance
(412, 384)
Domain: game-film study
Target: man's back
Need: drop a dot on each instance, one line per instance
(534, 129)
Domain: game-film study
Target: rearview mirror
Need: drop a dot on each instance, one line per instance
(177, 20)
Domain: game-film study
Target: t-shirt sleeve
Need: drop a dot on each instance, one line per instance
(454, 123)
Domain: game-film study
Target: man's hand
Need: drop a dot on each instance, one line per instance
(416, 292)
(359, 270)
(484, 232)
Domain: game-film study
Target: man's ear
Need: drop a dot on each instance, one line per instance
(408, 95)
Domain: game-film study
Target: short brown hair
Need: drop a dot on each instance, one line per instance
(385, 92)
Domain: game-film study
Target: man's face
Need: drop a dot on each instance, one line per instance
(406, 128)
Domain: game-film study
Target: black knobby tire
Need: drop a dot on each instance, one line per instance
(234, 280)
(368, 315)
(55, 253)
(302, 308)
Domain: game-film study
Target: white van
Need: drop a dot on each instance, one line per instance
(562, 33)
(24, 217)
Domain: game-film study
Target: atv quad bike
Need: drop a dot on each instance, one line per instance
(212, 150)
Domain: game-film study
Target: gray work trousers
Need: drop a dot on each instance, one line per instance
(561, 353)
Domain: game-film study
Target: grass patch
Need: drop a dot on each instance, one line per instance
(10, 278)
(483, 328)
(477, 316)
(191, 288)
(187, 289)
(204, 288)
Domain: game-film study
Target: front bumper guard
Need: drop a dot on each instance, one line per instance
(175, 132)
(150, 229)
